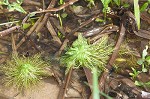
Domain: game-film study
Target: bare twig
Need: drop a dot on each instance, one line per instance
(104, 76)
(105, 31)
(143, 33)
(13, 44)
(46, 16)
(64, 87)
(70, 2)
(29, 32)
(145, 17)
(30, 2)
(53, 33)
(116, 49)
(8, 31)
(97, 30)
(56, 23)
(64, 44)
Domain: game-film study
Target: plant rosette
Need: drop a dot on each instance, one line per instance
(24, 72)
(82, 54)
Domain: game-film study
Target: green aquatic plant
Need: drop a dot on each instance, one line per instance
(24, 72)
(82, 54)
(92, 56)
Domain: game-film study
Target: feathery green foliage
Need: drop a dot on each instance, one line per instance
(94, 57)
(83, 54)
(24, 72)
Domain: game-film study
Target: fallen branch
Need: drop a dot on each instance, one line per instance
(8, 31)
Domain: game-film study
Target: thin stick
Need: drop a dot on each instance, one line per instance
(118, 44)
(29, 32)
(53, 33)
(8, 31)
(46, 16)
(13, 44)
(63, 89)
(70, 2)
(112, 59)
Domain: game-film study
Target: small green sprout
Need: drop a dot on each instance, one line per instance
(106, 7)
(61, 17)
(145, 60)
(142, 84)
(135, 73)
(90, 3)
(60, 35)
(24, 72)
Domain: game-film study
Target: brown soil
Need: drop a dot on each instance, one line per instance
(48, 89)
